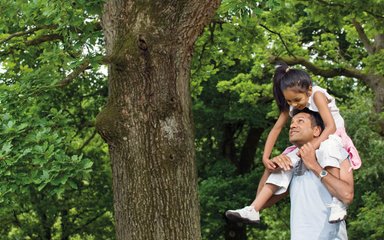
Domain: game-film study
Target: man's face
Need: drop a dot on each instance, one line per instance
(301, 130)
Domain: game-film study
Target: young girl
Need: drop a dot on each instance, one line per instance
(293, 89)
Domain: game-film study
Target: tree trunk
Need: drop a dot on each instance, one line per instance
(65, 226)
(244, 160)
(248, 150)
(147, 120)
(228, 146)
(45, 221)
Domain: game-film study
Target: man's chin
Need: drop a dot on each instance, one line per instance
(293, 140)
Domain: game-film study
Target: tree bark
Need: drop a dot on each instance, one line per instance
(147, 120)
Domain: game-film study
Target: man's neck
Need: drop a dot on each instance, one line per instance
(298, 145)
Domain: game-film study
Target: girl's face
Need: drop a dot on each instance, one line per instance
(297, 99)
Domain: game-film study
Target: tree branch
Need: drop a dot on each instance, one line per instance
(28, 32)
(33, 42)
(374, 14)
(97, 27)
(331, 4)
(44, 38)
(74, 74)
(363, 37)
(347, 72)
(16, 220)
(281, 39)
(211, 28)
(369, 46)
(379, 42)
(76, 230)
(87, 141)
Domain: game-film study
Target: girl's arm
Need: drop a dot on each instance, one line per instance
(272, 137)
(321, 102)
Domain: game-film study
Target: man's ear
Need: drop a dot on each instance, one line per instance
(317, 131)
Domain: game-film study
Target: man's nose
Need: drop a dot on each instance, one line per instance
(294, 104)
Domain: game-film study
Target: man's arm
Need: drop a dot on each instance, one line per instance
(342, 188)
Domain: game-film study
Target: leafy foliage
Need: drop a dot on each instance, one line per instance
(55, 177)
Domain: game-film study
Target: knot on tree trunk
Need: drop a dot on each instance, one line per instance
(142, 43)
(107, 121)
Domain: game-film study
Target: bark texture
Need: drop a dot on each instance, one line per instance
(147, 120)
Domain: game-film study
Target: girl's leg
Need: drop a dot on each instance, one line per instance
(263, 180)
(262, 197)
(250, 214)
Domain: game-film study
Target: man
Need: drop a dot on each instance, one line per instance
(311, 187)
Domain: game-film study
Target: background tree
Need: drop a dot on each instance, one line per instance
(147, 121)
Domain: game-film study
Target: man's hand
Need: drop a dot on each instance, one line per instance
(282, 161)
(307, 153)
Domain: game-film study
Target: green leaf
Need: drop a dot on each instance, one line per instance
(72, 184)
(6, 148)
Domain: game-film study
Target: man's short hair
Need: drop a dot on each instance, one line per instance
(315, 117)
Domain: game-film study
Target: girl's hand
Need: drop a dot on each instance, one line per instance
(269, 165)
(283, 162)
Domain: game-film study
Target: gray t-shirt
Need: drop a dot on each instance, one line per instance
(309, 211)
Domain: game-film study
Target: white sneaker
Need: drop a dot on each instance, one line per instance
(338, 211)
(246, 215)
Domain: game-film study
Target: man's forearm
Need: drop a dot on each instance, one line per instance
(342, 188)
